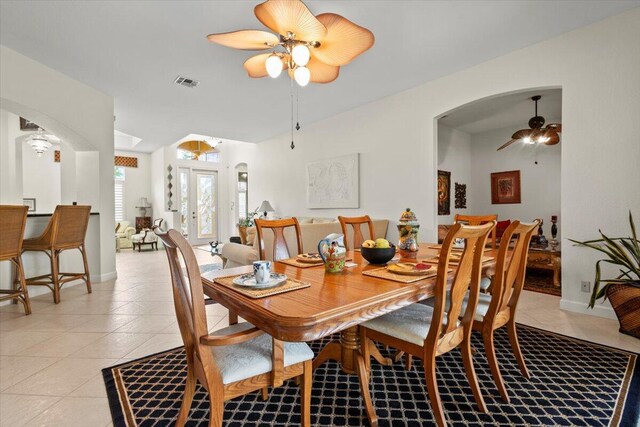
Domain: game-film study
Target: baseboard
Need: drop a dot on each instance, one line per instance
(99, 278)
(599, 310)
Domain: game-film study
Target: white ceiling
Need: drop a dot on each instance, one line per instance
(133, 50)
(505, 111)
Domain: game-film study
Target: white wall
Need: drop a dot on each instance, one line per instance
(454, 155)
(41, 178)
(137, 184)
(540, 184)
(597, 68)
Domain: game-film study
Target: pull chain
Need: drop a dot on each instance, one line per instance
(297, 109)
(291, 94)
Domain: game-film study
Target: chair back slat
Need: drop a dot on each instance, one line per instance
(12, 226)
(280, 247)
(188, 294)
(356, 223)
(466, 278)
(479, 220)
(510, 270)
(69, 226)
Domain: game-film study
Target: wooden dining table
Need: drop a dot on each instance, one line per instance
(335, 302)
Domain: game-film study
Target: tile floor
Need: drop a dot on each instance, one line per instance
(50, 361)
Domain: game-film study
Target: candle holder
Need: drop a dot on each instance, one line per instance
(554, 232)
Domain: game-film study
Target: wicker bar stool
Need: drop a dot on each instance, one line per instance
(66, 230)
(12, 226)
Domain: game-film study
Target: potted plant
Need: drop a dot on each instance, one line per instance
(623, 290)
(245, 223)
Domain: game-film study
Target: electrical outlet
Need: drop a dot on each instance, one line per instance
(586, 286)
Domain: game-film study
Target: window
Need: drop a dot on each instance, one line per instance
(243, 195)
(206, 157)
(118, 175)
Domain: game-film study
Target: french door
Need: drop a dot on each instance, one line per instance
(198, 205)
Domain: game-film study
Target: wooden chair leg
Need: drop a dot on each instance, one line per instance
(23, 286)
(467, 358)
(432, 389)
(216, 407)
(305, 394)
(408, 361)
(55, 276)
(264, 391)
(515, 345)
(490, 351)
(15, 279)
(233, 318)
(86, 268)
(187, 398)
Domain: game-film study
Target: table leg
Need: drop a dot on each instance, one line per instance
(556, 277)
(347, 353)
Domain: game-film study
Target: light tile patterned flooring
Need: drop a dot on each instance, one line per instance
(50, 361)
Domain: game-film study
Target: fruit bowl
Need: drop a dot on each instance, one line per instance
(378, 255)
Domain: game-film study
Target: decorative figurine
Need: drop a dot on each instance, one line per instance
(554, 233)
(408, 229)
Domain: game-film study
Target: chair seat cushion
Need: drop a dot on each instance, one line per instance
(410, 323)
(248, 359)
(150, 237)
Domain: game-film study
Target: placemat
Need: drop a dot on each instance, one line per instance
(383, 273)
(454, 249)
(435, 259)
(290, 285)
(295, 263)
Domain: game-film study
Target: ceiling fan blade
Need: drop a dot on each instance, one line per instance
(553, 136)
(522, 133)
(344, 40)
(256, 67)
(555, 126)
(284, 16)
(246, 39)
(507, 144)
(320, 72)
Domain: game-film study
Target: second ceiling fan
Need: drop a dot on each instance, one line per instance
(537, 133)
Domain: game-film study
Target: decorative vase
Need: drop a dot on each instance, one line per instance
(408, 227)
(625, 300)
(554, 232)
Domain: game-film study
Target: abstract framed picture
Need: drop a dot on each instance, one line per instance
(444, 193)
(505, 187)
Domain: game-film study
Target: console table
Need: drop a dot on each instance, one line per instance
(142, 222)
(546, 259)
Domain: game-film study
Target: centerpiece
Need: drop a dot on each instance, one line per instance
(408, 228)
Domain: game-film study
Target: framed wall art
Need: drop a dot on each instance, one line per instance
(460, 196)
(333, 183)
(31, 203)
(505, 187)
(444, 193)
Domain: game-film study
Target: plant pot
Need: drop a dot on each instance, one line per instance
(625, 300)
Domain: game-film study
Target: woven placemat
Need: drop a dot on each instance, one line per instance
(295, 263)
(435, 259)
(438, 247)
(289, 285)
(383, 273)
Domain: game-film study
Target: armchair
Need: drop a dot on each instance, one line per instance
(124, 231)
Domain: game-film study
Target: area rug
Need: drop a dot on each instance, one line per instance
(538, 280)
(572, 382)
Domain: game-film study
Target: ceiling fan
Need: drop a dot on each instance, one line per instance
(311, 48)
(536, 134)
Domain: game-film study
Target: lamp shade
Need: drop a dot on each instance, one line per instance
(266, 207)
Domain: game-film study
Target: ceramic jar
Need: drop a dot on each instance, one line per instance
(408, 229)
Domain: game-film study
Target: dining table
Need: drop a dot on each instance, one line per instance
(333, 303)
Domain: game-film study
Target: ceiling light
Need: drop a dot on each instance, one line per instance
(543, 139)
(302, 75)
(301, 55)
(39, 142)
(274, 65)
(537, 132)
(527, 140)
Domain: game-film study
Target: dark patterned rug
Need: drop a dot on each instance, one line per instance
(573, 383)
(538, 280)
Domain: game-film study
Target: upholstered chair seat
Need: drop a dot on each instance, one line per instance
(254, 357)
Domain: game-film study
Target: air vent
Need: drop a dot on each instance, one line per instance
(185, 81)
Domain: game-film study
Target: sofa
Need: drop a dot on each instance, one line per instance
(312, 231)
(124, 231)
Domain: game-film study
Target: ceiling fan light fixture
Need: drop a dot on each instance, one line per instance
(302, 76)
(274, 66)
(528, 140)
(301, 55)
(39, 142)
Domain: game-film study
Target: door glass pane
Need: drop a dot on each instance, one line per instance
(206, 205)
(243, 194)
(184, 201)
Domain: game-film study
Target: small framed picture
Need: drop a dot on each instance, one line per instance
(27, 125)
(505, 187)
(31, 203)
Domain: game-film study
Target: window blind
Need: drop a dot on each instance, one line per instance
(119, 196)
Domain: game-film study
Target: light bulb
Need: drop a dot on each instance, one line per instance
(543, 139)
(527, 140)
(273, 65)
(301, 55)
(302, 75)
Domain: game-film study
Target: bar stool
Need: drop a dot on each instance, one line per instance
(12, 226)
(66, 230)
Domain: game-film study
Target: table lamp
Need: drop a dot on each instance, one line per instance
(266, 208)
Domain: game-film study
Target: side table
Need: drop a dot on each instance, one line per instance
(546, 259)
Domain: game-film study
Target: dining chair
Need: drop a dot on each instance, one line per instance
(427, 332)
(66, 230)
(232, 361)
(498, 308)
(479, 220)
(278, 226)
(14, 219)
(356, 222)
